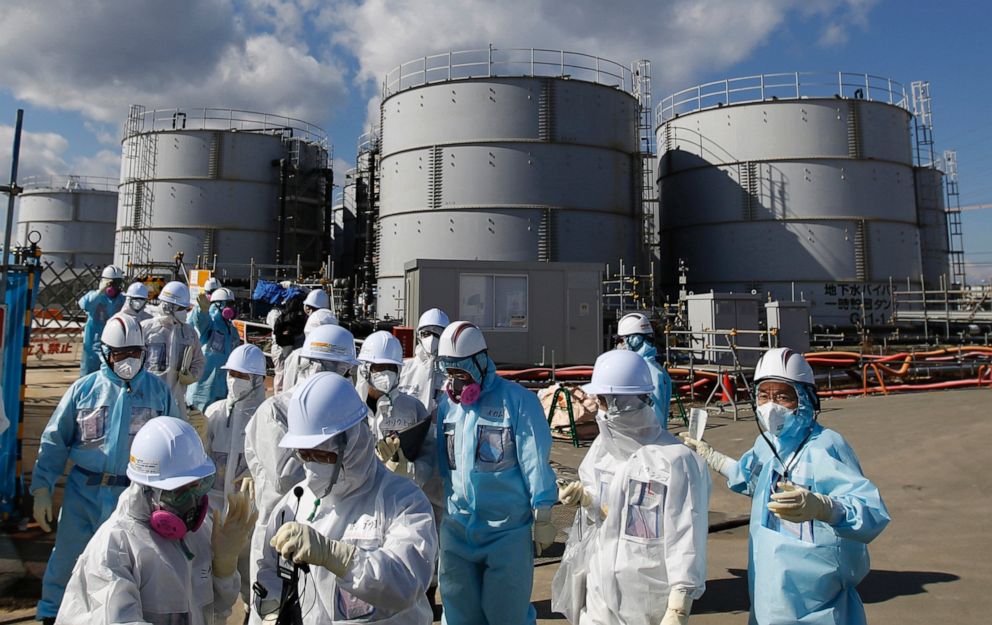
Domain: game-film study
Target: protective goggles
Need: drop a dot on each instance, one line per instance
(120, 353)
(425, 333)
(319, 456)
(188, 495)
(620, 404)
(779, 396)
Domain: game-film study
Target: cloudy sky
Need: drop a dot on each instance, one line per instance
(75, 66)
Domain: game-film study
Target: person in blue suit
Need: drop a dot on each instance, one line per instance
(93, 425)
(494, 447)
(637, 335)
(218, 338)
(813, 511)
(99, 305)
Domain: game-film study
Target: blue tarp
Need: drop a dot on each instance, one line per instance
(13, 344)
(273, 293)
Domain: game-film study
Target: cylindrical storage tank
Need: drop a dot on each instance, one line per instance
(517, 155)
(797, 185)
(343, 238)
(237, 185)
(932, 216)
(73, 216)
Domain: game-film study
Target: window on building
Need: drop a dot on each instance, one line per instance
(493, 302)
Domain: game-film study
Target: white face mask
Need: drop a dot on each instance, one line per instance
(128, 368)
(430, 344)
(137, 305)
(180, 315)
(320, 478)
(238, 389)
(383, 381)
(772, 416)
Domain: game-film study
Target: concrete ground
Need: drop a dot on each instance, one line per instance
(926, 452)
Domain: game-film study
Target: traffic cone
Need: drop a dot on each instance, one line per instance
(726, 389)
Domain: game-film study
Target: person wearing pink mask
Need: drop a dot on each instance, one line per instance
(218, 338)
(99, 305)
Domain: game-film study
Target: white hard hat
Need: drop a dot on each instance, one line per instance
(323, 406)
(246, 359)
(332, 343)
(784, 364)
(167, 453)
(175, 293)
(137, 290)
(620, 372)
(381, 347)
(317, 298)
(112, 272)
(433, 317)
(320, 317)
(212, 284)
(461, 339)
(634, 323)
(221, 294)
(122, 331)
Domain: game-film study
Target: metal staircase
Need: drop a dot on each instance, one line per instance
(137, 195)
(641, 72)
(955, 233)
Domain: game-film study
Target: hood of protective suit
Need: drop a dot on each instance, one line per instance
(627, 432)
(358, 462)
(421, 354)
(135, 504)
(487, 373)
(647, 351)
(797, 425)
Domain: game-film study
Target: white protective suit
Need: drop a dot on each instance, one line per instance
(653, 539)
(226, 424)
(387, 518)
(276, 470)
(395, 412)
(418, 378)
(166, 339)
(130, 574)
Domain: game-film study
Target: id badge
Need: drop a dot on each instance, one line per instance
(645, 501)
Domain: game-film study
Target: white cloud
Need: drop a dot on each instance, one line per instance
(98, 57)
(683, 38)
(42, 154)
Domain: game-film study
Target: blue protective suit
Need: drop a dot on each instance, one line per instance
(662, 395)
(98, 307)
(808, 572)
(93, 425)
(494, 462)
(218, 338)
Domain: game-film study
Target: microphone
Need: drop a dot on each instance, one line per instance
(298, 492)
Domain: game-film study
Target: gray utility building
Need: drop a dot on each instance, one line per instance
(527, 310)
(508, 155)
(801, 186)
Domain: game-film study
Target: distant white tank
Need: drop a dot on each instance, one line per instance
(73, 216)
(506, 155)
(791, 184)
(236, 184)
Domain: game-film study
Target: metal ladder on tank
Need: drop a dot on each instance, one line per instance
(137, 196)
(955, 234)
(641, 71)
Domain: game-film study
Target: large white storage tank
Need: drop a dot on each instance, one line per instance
(792, 184)
(74, 217)
(506, 155)
(237, 185)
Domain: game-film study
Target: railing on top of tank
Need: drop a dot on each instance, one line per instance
(784, 86)
(205, 118)
(490, 62)
(70, 183)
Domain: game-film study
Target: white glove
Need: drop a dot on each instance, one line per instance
(574, 494)
(798, 505)
(386, 447)
(302, 543)
(203, 302)
(229, 538)
(400, 466)
(714, 459)
(199, 422)
(679, 606)
(43, 509)
(544, 531)
(268, 609)
(248, 486)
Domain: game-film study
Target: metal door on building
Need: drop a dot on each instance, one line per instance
(582, 325)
